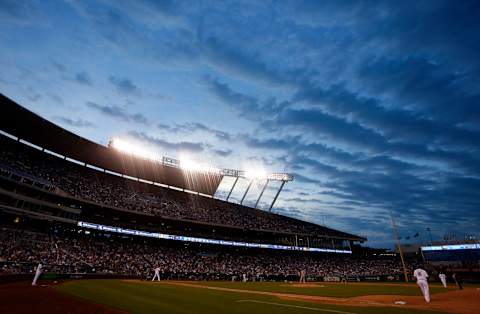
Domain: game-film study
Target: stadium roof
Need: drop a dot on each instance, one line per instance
(28, 126)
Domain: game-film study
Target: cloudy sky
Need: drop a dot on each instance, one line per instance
(373, 106)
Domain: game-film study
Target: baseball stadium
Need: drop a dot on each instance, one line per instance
(239, 156)
(110, 229)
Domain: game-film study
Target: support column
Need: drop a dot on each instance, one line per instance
(276, 196)
(261, 193)
(231, 190)
(246, 191)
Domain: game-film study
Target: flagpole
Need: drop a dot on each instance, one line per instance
(397, 240)
(430, 233)
(420, 239)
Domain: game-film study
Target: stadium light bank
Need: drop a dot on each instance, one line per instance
(188, 164)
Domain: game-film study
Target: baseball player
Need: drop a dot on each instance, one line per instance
(302, 275)
(157, 274)
(38, 272)
(422, 282)
(458, 281)
(443, 279)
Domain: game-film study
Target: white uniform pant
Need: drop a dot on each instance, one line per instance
(444, 281)
(423, 284)
(157, 275)
(34, 282)
(302, 278)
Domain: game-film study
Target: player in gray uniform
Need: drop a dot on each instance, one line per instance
(458, 281)
(303, 273)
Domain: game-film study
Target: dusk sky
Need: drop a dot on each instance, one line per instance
(373, 106)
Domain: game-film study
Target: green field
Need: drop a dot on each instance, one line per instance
(147, 297)
(329, 289)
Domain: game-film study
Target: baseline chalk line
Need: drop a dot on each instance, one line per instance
(295, 306)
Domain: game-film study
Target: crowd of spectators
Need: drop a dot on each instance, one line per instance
(78, 252)
(110, 190)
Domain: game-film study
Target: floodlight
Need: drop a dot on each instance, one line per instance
(131, 149)
(256, 174)
(190, 165)
(280, 177)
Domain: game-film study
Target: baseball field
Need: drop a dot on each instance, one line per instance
(131, 296)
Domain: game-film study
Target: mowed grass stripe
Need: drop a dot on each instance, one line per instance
(147, 297)
(136, 298)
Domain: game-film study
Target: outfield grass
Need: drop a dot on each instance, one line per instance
(147, 297)
(329, 289)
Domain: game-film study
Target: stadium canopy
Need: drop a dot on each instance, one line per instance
(28, 126)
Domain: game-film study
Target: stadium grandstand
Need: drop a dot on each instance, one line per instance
(461, 255)
(83, 208)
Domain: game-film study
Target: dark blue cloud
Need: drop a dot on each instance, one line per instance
(182, 146)
(375, 134)
(441, 29)
(117, 113)
(373, 105)
(83, 78)
(222, 153)
(395, 124)
(17, 11)
(195, 127)
(243, 103)
(56, 98)
(303, 179)
(233, 59)
(78, 123)
(59, 66)
(123, 85)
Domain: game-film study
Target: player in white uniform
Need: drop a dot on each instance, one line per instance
(244, 277)
(422, 282)
(38, 272)
(443, 279)
(157, 274)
